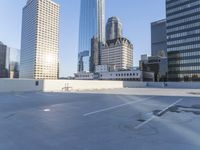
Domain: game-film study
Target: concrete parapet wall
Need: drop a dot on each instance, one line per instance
(130, 84)
(180, 85)
(185, 85)
(24, 85)
(20, 85)
(70, 85)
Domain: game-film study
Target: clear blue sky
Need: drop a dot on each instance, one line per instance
(136, 16)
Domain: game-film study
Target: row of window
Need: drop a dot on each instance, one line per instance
(182, 7)
(49, 3)
(189, 75)
(187, 47)
(174, 3)
(189, 61)
(116, 51)
(182, 34)
(125, 79)
(125, 74)
(83, 76)
(49, 73)
(185, 76)
(184, 27)
(51, 16)
(180, 21)
(187, 68)
(178, 15)
(188, 54)
(183, 41)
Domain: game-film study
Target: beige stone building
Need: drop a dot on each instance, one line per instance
(117, 53)
(40, 40)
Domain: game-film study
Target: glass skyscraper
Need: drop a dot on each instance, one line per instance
(158, 38)
(3, 58)
(9, 61)
(92, 24)
(113, 28)
(13, 62)
(183, 39)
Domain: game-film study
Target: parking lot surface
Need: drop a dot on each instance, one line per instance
(120, 119)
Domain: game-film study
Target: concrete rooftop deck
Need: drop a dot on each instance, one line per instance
(120, 119)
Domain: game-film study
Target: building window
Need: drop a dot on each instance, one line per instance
(36, 83)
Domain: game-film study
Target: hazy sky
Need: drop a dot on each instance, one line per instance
(136, 16)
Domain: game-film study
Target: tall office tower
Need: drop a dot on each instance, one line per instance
(13, 62)
(40, 40)
(158, 38)
(113, 28)
(92, 24)
(3, 60)
(9, 61)
(118, 54)
(183, 39)
(95, 54)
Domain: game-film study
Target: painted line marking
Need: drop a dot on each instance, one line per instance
(115, 107)
(153, 117)
(46, 110)
(144, 123)
(170, 106)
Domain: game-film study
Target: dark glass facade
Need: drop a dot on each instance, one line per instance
(13, 62)
(3, 60)
(95, 54)
(183, 39)
(158, 38)
(9, 61)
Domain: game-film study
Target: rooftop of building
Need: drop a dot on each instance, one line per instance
(158, 22)
(114, 18)
(120, 119)
(28, 1)
(121, 40)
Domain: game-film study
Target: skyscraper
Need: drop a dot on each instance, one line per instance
(13, 62)
(9, 61)
(92, 24)
(95, 54)
(3, 60)
(183, 39)
(113, 28)
(40, 40)
(158, 38)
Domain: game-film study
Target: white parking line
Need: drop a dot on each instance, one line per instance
(162, 111)
(147, 121)
(115, 107)
(178, 101)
